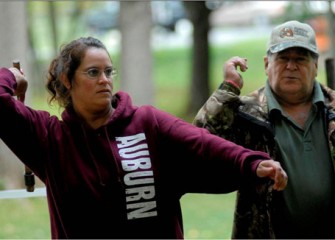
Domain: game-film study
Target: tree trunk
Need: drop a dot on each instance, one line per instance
(198, 14)
(53, 26)
(14, 45)
(136, 57)
(331, 20)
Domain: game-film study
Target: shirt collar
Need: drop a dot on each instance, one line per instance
(273, 105)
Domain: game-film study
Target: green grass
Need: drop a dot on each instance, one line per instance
(205, 216)
(24, 219)
(208, 216)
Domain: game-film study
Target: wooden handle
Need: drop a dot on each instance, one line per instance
(16, 64)
(29, 178)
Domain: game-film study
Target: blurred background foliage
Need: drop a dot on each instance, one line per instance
(173, 24)
(169, 54)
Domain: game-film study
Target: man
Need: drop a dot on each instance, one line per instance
(291, 118)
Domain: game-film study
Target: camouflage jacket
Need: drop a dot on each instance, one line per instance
(245, 120)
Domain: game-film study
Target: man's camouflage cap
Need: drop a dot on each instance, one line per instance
(292, 34)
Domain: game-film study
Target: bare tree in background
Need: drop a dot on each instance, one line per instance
(14, 45)
(331, 21)
(13, 27)
(54, 8)
(136, 56)
(198, 14)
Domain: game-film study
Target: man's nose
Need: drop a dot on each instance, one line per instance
(292, 64)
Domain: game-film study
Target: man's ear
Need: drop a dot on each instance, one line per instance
(64, 79)
(266, 64)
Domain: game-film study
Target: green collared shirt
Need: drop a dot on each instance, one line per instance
(307, 161)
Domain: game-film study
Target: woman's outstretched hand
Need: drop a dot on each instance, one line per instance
(273, 170)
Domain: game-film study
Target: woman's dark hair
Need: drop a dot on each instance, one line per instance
(66, 63)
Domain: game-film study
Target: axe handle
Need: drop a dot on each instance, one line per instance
(29, 178)
(16, 64)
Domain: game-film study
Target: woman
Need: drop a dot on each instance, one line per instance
(111, 169)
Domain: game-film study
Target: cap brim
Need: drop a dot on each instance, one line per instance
(285, 45)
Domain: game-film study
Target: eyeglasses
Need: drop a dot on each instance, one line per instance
(95, 73)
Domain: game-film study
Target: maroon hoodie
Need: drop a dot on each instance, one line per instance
(124, 179)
